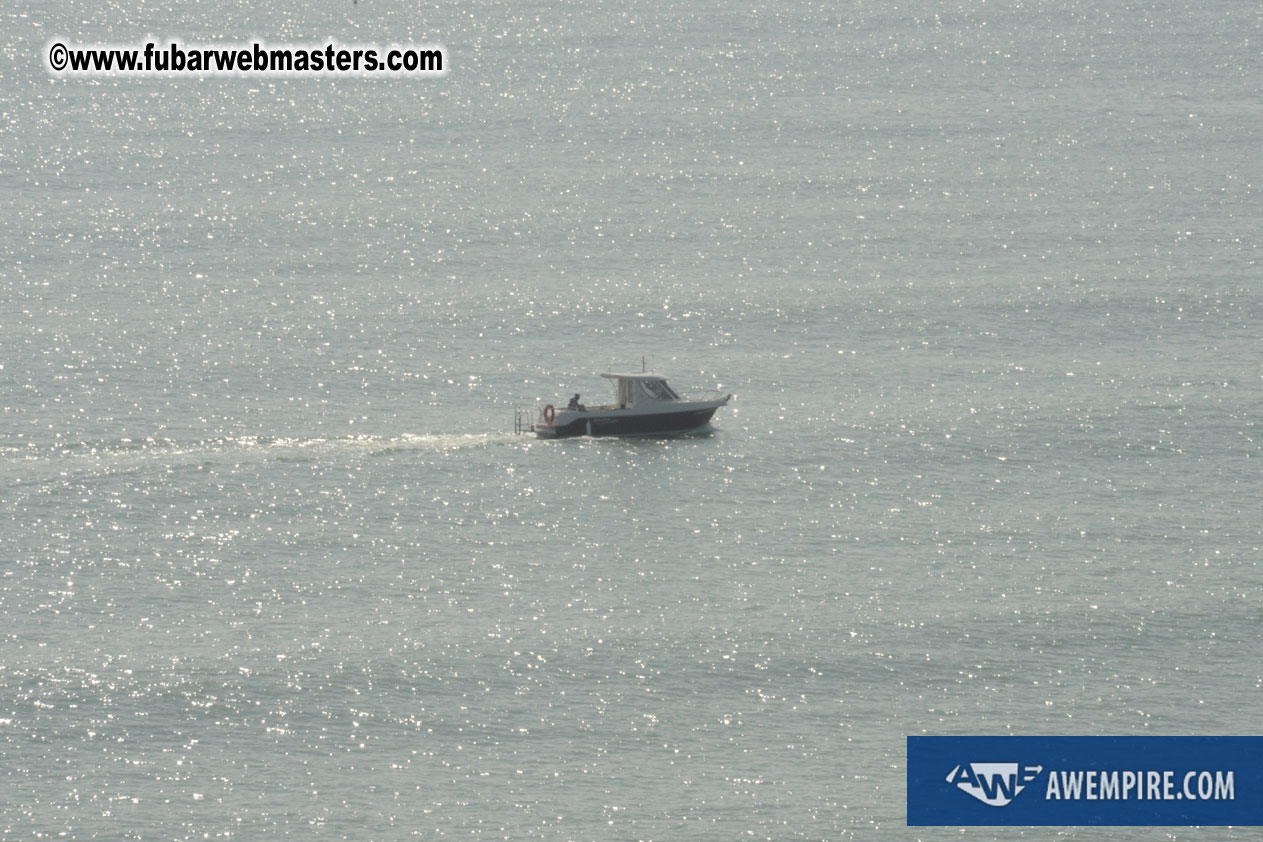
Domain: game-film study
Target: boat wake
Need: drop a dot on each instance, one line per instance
(32, 465)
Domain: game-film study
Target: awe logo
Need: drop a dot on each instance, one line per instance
(995, 784)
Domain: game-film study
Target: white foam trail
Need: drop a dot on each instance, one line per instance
(23, 467)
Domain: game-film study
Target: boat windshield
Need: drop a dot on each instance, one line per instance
(660, 390)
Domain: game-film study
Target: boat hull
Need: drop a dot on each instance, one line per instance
(628, 423)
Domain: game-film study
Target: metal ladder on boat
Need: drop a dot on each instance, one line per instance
(523, 421)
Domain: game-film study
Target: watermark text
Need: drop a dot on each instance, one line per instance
(255, 58)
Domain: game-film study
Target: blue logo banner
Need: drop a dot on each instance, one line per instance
(1065, 781)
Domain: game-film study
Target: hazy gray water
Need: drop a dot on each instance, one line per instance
(984, 280)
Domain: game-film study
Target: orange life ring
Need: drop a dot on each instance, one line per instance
(549, 414)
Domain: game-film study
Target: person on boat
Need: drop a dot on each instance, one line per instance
(574, 403)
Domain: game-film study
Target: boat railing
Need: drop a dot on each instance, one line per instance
(700, 395)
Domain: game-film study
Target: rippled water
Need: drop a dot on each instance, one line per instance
(984, 282)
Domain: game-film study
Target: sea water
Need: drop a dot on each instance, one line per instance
(982, 277)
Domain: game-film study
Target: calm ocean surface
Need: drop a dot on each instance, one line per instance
(984, 279)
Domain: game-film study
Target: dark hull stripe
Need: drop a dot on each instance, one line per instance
(658, 424)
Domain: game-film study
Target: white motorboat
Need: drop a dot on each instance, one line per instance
(644, 405)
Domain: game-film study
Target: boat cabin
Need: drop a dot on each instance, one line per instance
(638, 389)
